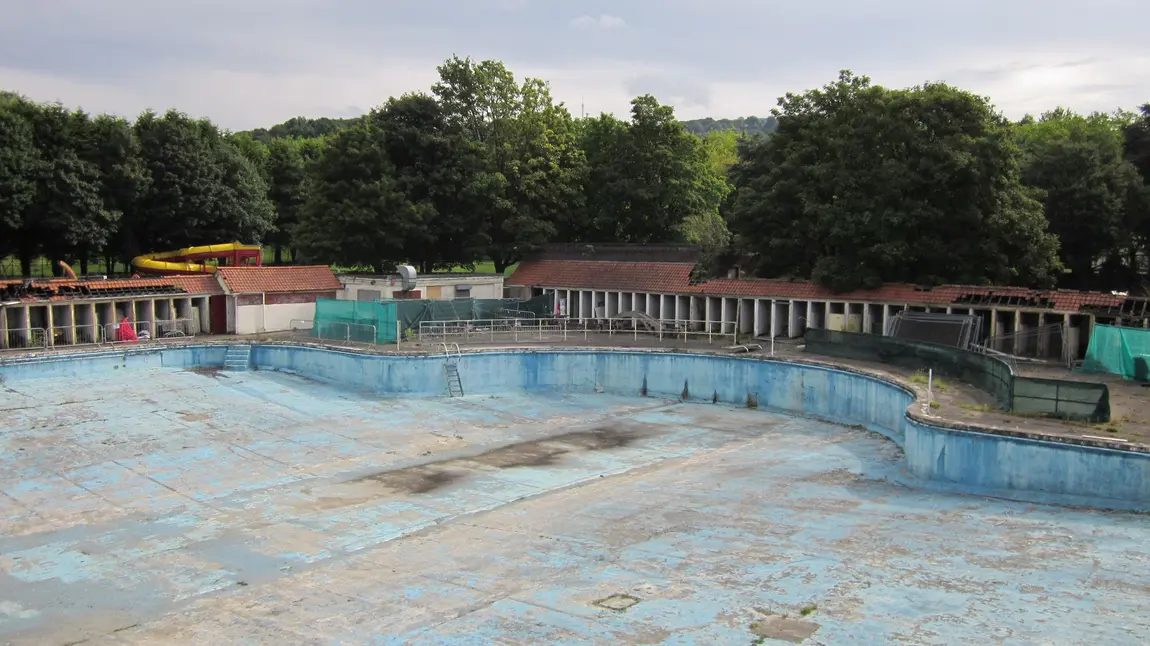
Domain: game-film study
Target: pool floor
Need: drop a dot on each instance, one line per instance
(200, 507)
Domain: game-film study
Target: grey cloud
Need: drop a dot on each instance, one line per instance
(683, 92)
(689, 45)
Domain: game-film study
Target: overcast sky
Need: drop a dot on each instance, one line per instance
(249, 63)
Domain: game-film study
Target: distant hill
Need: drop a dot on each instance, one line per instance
(302, 127)
(306, 127)
(742, 125)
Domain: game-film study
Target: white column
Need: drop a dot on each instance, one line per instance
(49, 335)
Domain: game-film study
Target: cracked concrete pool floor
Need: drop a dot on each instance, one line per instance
(179, 507)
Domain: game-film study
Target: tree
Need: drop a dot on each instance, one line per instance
(721, 148)
(110, 145)
(252, 149)
(440, 172)
(201, 189)
(286, 173)
(66, 215)
(533, 168)
(862, 185)
(650, 180)
(1087, 185)
(1136, 139)
(19, 160)
(356, 211)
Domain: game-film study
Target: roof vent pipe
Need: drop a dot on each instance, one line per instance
(406, 277)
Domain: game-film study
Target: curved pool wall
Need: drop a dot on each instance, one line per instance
(958, 459)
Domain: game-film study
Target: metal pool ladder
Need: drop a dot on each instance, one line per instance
(451, 369)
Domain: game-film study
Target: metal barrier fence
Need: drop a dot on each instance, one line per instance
(28, 338)
(540, 330)
(1075, 400)
(147, 331)
(352, 333)
(95, 334)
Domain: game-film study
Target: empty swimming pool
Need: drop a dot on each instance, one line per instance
(566, 497)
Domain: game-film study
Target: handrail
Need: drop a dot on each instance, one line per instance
(447, 351)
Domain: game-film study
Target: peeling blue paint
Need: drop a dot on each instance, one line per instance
(247, 507)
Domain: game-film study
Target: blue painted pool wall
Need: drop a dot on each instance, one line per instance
(97, 364)
(834, 395)
(995, 462)
(962, 458)
(973, 460)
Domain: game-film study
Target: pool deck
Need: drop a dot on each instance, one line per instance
(163, 506)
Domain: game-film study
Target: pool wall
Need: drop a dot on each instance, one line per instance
(970, 460)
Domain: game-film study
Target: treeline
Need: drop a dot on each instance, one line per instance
(851, 184)
(308, 128)
(484, 166)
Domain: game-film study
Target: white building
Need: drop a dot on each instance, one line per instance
(366, 287)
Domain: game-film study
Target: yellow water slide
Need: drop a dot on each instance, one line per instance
(184, 261)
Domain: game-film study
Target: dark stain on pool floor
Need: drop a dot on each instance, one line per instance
(425, 478)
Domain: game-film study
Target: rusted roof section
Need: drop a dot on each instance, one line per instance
(275, 280)
(674, 278)
(66, 289)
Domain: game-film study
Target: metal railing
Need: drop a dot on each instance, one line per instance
(539, 330)
(95, 334)
(28, 338)
(146, 331)
(352, 333)
(447, 348)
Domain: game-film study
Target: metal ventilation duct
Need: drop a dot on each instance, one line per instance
(406, 277)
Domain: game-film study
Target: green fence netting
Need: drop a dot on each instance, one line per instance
(1054, 397)
(413, 312)
(1118, 350)
(354, 321)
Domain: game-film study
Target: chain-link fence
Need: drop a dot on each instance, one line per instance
(1065, 399)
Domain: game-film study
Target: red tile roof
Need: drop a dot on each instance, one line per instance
(674, 278)
(271, 280)
(607, 275)
(206, 284)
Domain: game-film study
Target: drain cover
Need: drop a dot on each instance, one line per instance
(617, 602)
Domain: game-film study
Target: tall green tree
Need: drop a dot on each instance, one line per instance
(111, 146)
(66, 216)
(441, 173)
(648, 179)
(286, 173)
(533, 167)
(201, 188)
(861, 185)
(1087, 186)
(356, 212)
(254, 150)
(19, 161)
(1136, 138)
